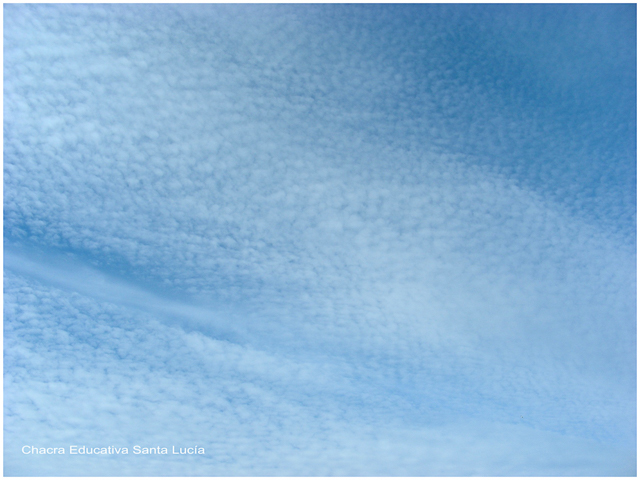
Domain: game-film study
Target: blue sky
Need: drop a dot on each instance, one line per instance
(321, 239)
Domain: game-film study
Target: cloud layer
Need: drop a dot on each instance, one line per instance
(336, 235)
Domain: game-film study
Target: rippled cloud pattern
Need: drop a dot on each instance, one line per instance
(317, 240)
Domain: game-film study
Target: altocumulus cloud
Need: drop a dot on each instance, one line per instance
(321, 239)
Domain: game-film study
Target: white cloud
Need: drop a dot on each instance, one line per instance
(130, 380)
(346, 214)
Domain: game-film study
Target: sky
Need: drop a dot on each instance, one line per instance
(321, 240)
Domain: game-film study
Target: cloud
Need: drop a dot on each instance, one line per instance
(317, 224)
(132, 380)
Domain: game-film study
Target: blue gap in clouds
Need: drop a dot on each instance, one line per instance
(568, 135)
